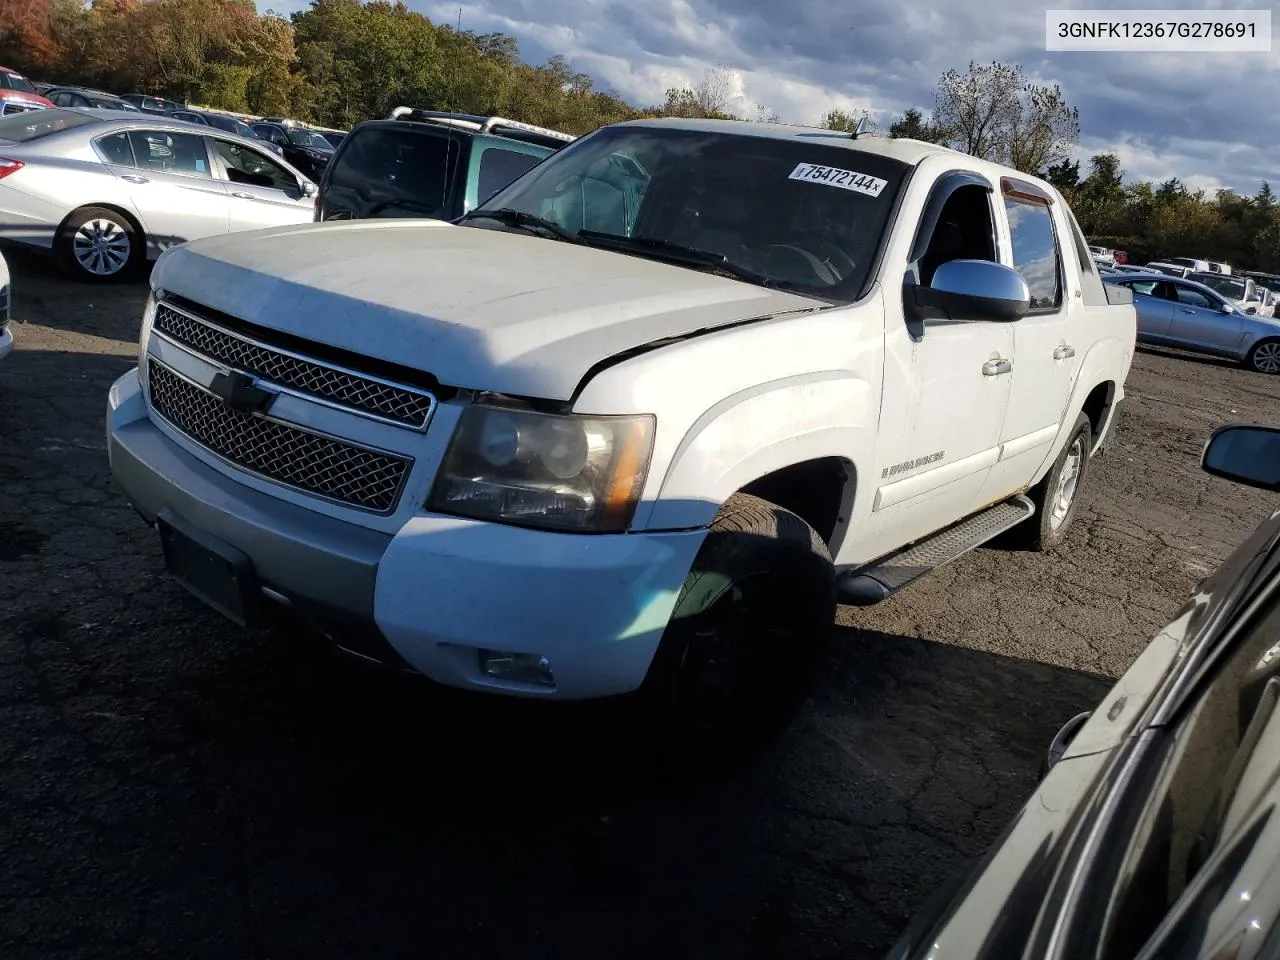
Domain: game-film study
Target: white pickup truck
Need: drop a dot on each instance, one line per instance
(637, 424)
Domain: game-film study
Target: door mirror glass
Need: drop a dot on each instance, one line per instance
(972, 290)
(1245, 453)
(1227, 308)
(307, 187)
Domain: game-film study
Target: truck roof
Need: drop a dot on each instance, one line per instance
(905, 150)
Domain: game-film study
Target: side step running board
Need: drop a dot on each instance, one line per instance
(881, 579)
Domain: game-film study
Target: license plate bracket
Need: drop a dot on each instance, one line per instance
(213, 571)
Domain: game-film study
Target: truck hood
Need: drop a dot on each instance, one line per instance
(477, 308)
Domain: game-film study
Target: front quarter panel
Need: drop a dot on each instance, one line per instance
(734, 405)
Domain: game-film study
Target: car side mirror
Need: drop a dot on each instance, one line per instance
(308, 188)
(1245, 453)
(1227, 308)
(970, 290)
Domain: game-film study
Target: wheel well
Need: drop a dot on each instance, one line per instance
(1098, 405)
(814, 490)
(114, 208)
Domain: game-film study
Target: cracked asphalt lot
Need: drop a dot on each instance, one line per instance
(172, 786)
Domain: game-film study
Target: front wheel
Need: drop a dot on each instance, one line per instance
(1264, 357)
(1058, 495)
(745, 641)
(97, 245)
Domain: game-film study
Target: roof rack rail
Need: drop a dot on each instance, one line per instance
(478, 123)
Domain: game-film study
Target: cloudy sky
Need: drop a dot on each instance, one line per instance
(1208, 118)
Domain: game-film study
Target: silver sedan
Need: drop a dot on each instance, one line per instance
(1173, 312)
(106, 191)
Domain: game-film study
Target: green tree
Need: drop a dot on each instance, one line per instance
(914, 126)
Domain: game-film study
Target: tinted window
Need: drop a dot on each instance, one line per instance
(22, 127)
(1194, 298)
(189, 117)
(396, 171)
(269, 132)
(115, 148)
(801, 215)
(166, 152)
(247, 166)
(305, 138)
(498, 168)
(1145, 287)
(1035, 251)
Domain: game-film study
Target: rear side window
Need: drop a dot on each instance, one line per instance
(1035, 251)
(116, 149)
(23, 127)
(394, 170)
(499, 167)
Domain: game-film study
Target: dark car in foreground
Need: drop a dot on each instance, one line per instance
(1155, 831)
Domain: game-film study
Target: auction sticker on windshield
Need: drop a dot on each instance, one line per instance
(835, 177)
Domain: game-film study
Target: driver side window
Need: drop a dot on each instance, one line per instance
(252, 168)
(965, 231)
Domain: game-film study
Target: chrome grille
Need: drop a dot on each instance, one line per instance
(354, 391)
(11, 107)
(274, 450)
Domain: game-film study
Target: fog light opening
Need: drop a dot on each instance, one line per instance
(530, 668)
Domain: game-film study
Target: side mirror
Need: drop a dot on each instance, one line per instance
(970, 290)
(1246, 453)
(308, 188)
(1227, 308)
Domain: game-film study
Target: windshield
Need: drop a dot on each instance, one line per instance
(305, 138)
(1227, 286)
(11, 81)
(21, 127)
(802, 215)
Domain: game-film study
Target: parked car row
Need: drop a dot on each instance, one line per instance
(1248, 290)
(108, 188)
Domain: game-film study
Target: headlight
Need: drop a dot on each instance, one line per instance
(144, 336)
(554, 471)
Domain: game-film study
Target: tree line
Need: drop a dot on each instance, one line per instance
(342, 61)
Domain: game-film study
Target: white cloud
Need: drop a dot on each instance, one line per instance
(1201, 117)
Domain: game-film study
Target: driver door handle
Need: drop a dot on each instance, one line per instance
(244, 196)
(1064, 352)
(134, 178)
(994, 368)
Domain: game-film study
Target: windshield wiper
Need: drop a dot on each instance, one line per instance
(676, 253)
(518, 218)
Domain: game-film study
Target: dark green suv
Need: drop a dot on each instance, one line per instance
(420, 163)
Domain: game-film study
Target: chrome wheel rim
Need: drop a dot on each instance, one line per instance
(1064, 494)
(101, 247)
(1266, 358)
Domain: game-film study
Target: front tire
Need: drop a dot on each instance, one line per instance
(98, 245)
(1264, 357)
(745, 641)
(1057, 496)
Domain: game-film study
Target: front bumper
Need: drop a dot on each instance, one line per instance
(441, 588)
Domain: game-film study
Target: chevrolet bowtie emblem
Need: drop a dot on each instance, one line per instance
(239, 391)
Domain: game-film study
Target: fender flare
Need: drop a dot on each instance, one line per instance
(757, 431)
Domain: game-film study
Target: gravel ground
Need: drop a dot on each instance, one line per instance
(172, 786)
